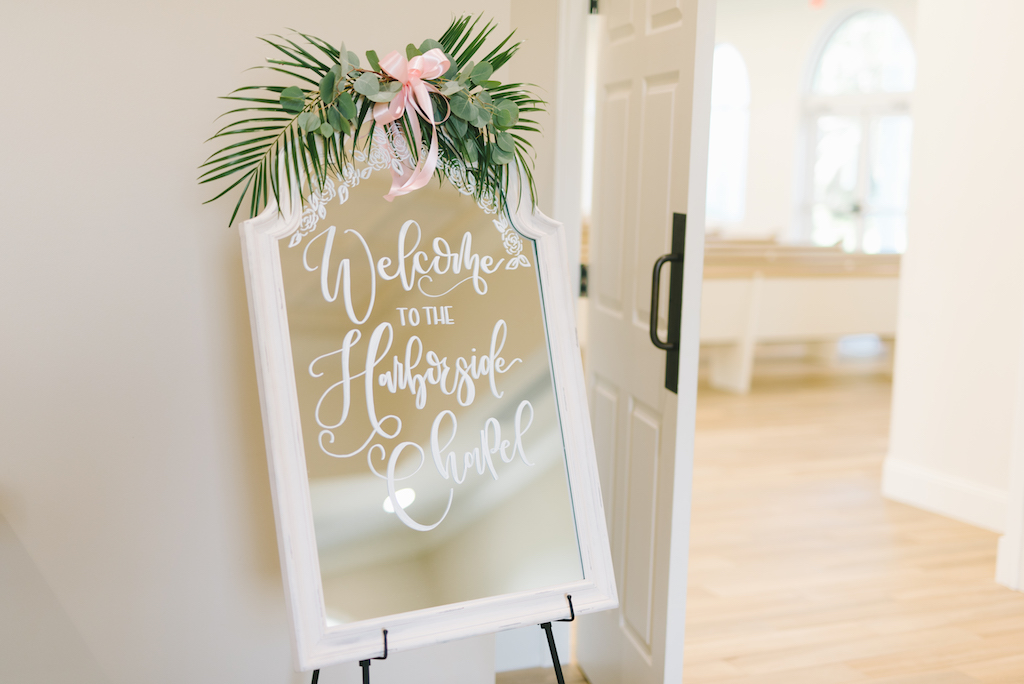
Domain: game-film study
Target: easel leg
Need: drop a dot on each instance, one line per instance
(554, 652)
(365, 664)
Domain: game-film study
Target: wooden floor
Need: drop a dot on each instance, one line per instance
(541, 675)
(801, 573)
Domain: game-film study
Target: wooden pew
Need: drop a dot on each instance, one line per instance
(763, 292)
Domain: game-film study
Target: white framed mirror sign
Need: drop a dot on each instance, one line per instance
(431, 458)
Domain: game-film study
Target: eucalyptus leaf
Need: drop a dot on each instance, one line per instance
(371, 57)
(482, 117)
(506, 114)
(430, 44)
(353, 59)
(489, 84)
(383, 96)
(346, 65)
(505, 141)
(450, 88)
(337, 121)
(500, 156)
(412, 51)
(308, 122)
(458, 125)
(466, 71)
(503, 119)
(293, 99)
(394, 86)
(463, 108)
(346, 105)
(327, 93)
(367, 85)
(326, 130)
(485, 97)
(481, 72)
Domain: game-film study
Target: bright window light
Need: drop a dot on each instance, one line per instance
(727, 145)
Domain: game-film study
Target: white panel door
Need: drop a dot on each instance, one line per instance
(653, 103)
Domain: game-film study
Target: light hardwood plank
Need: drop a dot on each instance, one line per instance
(540, 675)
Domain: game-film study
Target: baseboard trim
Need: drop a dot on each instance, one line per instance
(944, 494)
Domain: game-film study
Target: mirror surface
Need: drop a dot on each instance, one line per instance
(431, 432)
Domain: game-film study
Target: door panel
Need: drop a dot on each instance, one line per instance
(654, 190)
(604, 406)
(638, 570)
(608, 283)
(650, 116)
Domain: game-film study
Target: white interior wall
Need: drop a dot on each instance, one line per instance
(960, 342)
(552, 59)
(778, 41)
(133, 473)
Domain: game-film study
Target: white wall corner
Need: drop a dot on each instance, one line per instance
(948, 495)
(1010, 558)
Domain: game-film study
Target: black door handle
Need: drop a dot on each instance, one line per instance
(675, 301)
(671, 345)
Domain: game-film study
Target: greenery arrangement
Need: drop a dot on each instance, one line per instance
(313, 129)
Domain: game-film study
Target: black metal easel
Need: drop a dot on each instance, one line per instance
(365, 664)
(551, 641)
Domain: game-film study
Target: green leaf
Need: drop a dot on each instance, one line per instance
(412, 51)
(489, 84)
(383, 96)
(337, 121)
(450, 88)
(430, 44)
(466, 71)
(353, 59)
(483, 117)
(326, 130)
(346, 105)
(481, 72)
(505, 141)
(458, 125)
(463, 108)
(308, 122)
(371, 57)
(506, 114)
(293, 99)
(367, 85)
(500, 156)
(485, 97)
(327, 87)
(393, 86)
(502, 119)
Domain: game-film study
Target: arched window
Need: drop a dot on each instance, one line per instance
(730, 130)
(858, 136)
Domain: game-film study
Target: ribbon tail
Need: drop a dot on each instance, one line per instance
(416, 178)
(419, 176)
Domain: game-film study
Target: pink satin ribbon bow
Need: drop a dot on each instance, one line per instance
(415, 95)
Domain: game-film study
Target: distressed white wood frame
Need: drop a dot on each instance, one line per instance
(316, 645)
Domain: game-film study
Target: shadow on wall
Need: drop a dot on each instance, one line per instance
(25, 593)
